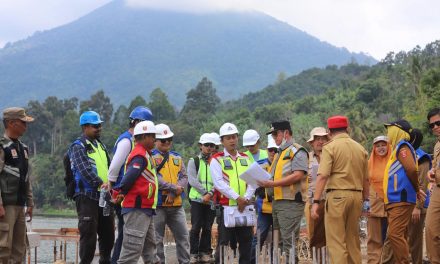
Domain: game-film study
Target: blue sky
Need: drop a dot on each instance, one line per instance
(372, 26)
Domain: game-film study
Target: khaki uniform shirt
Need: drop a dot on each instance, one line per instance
(345, 163)
(436, 162)
(377, 206)
(312, 175)
(423, 182)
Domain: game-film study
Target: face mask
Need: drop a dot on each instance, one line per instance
(284, 139)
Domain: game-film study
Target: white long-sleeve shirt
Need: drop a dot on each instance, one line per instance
(220, 184)
(122, 150)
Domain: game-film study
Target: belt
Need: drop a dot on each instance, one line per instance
(351, 190)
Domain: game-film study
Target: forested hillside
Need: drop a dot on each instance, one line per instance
(127, 51)
(403, 85)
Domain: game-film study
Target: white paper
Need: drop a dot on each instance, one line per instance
(233, 218)
(254, 173)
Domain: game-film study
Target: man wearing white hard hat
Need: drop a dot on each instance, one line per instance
(216, 138)
(139, 189)
(226, 167)
(315, 227)
(251, 141)
(200, 195)
(172, 180)
(122, 148)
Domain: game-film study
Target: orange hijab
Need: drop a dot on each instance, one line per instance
(376, 169)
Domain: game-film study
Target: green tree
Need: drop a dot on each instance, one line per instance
(99, 103)
(137, 101)
(160, 106)
(200, 101)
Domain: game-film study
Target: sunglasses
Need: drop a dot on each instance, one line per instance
(432, 125)
(96, 126)
(272, 149)
(209, 145)
(165, 140)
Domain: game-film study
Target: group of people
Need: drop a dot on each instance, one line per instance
(396, 186)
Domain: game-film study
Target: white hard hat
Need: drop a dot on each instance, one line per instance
(250, 137)
(163, 131)
(271, 142)
(144, 127)
(228, 129)
(206, 138)
(216, 138)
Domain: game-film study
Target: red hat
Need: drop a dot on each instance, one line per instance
(337, 122)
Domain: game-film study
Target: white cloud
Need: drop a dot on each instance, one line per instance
(21, 18)
(193, 6)
(372, 26)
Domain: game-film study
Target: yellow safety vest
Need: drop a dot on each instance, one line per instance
(170, 173)
(280, 168)
(231, 171)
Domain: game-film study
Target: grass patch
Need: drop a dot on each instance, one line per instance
(53, 212)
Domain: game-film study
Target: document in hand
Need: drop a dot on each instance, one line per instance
(233, 218)
(254, 173)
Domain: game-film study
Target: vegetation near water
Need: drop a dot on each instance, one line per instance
(402, 85)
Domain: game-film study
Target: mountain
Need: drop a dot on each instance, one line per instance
(130, 51)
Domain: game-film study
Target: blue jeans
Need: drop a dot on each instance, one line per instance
(264, 223)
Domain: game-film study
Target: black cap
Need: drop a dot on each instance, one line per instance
(402, 124)
(416, 138)
(279, 125)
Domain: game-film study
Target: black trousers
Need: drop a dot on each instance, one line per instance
(202, 218)
(243, 236)
(91, 222)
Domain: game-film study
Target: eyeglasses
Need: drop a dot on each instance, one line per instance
(272, 149)
(436, 123)
(165, 140)
(209, 145)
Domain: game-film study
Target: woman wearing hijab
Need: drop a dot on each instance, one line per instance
(377, 218)
(401, 187)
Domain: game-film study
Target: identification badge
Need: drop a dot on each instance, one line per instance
(176, 162)
(14, 153)
(243, 162)
(287, 155)
(227, 164)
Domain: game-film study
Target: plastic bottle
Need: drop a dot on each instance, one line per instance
(102, 197)
(106, 209)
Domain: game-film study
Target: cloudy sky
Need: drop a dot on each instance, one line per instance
(372, 26)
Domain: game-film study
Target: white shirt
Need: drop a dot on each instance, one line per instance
(222, 186)
(122, 150)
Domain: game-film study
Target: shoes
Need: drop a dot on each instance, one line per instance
(194, 259)
(206, 258)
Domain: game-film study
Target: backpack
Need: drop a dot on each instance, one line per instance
(69, 178)
(197, 163)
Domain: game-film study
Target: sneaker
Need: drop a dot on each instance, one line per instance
(194, 259)
(206, 258)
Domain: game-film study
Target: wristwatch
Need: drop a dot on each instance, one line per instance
(316, 201)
